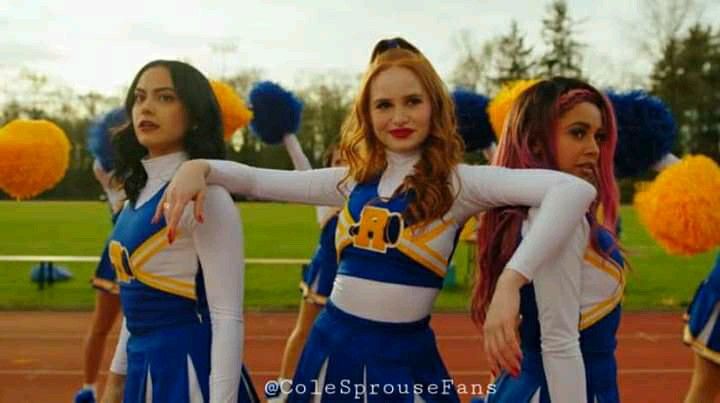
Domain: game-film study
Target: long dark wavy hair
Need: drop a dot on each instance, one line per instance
(203, 139)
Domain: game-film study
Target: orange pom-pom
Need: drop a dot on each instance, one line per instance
(235, 113)
(34, 156)
(681, 207)
(499, 107)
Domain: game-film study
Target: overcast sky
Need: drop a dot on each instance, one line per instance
(100, 45)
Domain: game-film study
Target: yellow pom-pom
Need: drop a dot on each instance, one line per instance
(34, 156)
(681, 207)
(235, 114)
(499, 107)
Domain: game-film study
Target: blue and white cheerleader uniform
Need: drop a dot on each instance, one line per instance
(570, 317)
(182, 337)
(702, 331)
(319, 275)
(374, 245)
(373, 341)
(104, 276)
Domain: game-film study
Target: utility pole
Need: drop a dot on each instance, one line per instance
(223, 49)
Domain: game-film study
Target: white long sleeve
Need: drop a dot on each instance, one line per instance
(558, 288)
(563, 199)
(119, 360)
(317, 186)
(220, 247)
(103, 177)
(299, 160)
(302, 163)
(115, 195)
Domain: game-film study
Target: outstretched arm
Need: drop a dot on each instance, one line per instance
(301, 163)
(319, 187)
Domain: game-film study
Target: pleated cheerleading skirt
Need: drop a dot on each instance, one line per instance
(172, 364)
(348, 358)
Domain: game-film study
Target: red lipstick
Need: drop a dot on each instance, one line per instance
(401, 133)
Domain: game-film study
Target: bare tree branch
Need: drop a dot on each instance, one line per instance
(474, 63)
(663, 20)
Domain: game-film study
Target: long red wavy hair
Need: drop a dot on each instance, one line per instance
(440, 153)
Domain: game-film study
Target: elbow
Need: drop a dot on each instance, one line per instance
(588, 190)
(581, 189)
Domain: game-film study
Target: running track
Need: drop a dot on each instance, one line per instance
(40, 354)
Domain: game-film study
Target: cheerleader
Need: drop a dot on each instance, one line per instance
(405, 197)
(570, 306)
(702, 334)
(182, 336)
(680, 211)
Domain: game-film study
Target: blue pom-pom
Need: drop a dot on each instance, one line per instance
(646, 131)
(99, 136)
(276, 112)
(472, 119)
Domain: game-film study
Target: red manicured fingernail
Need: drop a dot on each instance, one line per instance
(171, 236)
(201, 218)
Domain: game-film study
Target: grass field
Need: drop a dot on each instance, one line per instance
(657, 281)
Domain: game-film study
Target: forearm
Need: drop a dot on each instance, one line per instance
(558, 294)
(295, 151)
(226, 356)
(220, 246)
(114, 388)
